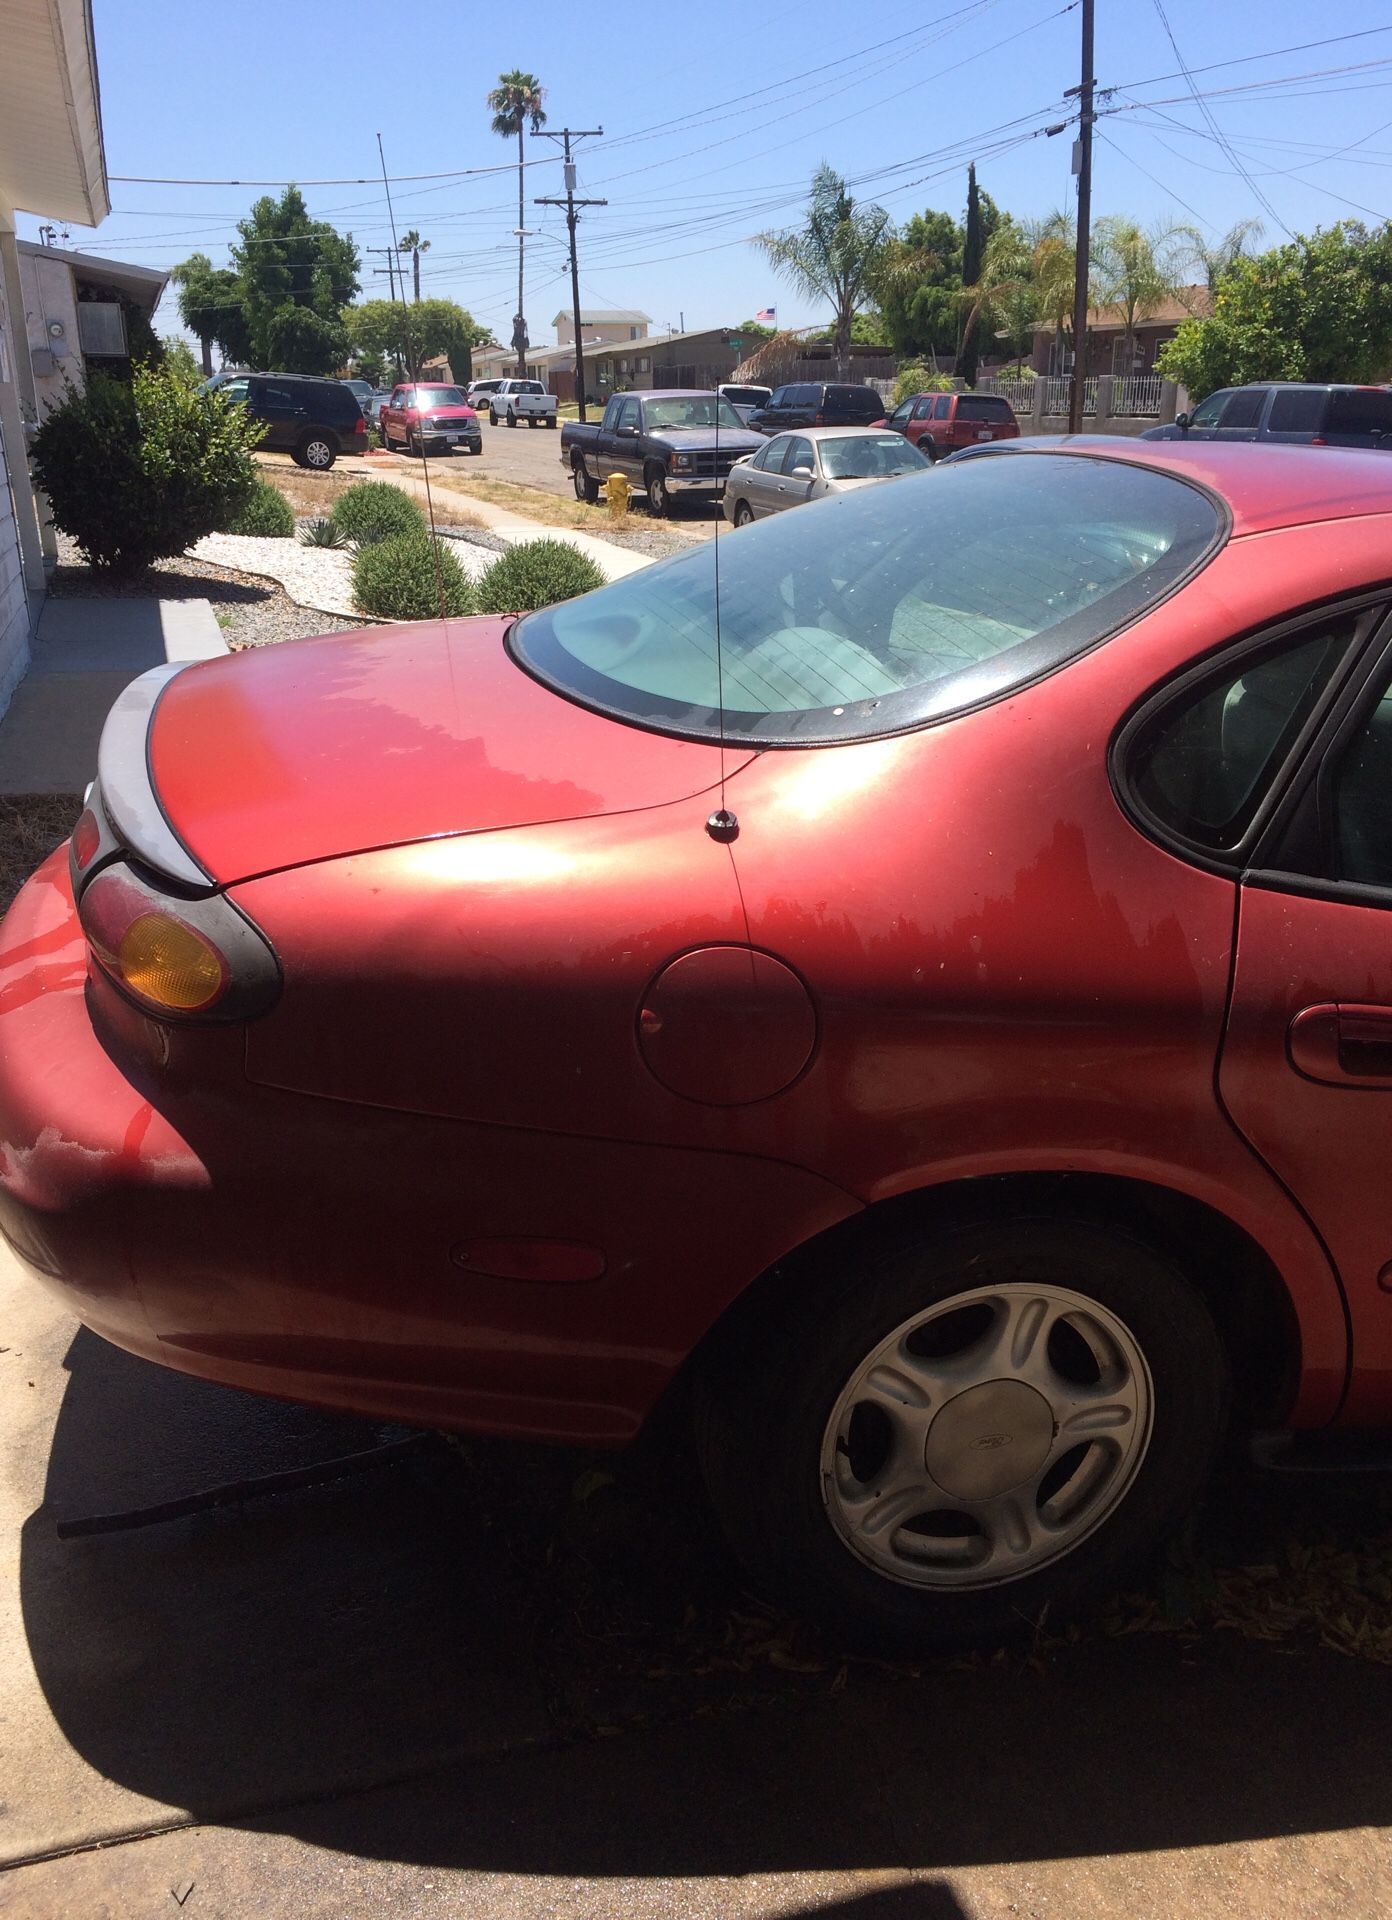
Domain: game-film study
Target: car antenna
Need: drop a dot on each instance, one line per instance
(722, 825)
(413, 365)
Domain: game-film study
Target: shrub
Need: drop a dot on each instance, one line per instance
(536, 574)
(920, 379)
(410, 578)
(137, 471)
(265, 512)
(323, 533)
(373, 510)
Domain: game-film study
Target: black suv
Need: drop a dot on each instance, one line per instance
(315, 420)
(818, 405)
(1294, 413)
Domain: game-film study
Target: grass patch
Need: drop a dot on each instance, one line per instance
(528, 503)
(31, 826)
(312, 495)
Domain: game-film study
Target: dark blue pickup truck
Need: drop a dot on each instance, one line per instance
(674, 444)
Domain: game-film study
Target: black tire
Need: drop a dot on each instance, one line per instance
(762, 1452)
(586, 489)
(744, 514)
(659, 493)
(511, 418)
(476, 446)
(415, 446)
(492, 418)
(531, 419)
(316, 451)
(928, 450)
(551, 421)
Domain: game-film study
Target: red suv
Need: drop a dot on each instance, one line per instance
(939, 423)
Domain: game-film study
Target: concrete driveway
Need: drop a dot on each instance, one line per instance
(391, 1695)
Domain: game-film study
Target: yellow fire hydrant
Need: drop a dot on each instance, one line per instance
(618, 496)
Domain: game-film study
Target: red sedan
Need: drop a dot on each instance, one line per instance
(955, 1068)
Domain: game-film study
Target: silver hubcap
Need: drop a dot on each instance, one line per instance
(987, 1436)
(317, 454)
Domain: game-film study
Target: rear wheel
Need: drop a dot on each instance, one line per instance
(996, 1421)
(492, 418)
(586, 489)
(744, 514)
(551, 420)
(511, 418)
(317, 452)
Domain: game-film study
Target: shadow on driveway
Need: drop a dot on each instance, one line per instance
(425, 1630)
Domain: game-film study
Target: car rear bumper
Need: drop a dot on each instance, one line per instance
(345, 1255)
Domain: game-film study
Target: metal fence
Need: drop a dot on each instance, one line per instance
(1137, 393)
(1133, 396)
(1020, 393)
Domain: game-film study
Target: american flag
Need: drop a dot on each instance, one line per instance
(766, 316)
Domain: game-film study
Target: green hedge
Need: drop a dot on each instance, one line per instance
(536, 574)
(410, 578)
(375, 510)
(266, 512)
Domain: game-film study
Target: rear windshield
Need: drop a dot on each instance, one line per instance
(882, 608)
(983, 406)
(870, 456)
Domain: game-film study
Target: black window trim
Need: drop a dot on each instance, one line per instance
(1269, 821)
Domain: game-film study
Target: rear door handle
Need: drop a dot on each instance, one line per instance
(1343, 1043)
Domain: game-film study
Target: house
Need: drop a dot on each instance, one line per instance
(700, 358)
(598, 324)
(500, 363)
(52, 163)
(81, 311)
(1106, 336)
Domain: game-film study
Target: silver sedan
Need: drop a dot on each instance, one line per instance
(810, 462)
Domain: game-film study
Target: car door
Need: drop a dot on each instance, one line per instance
(1305, 1072)
(1203, 421)
(1241, 418)
(626, 450)
(279, 405)
(790, 489)
(391, 417)
(920, 426)
(901, 416)
(759, 476)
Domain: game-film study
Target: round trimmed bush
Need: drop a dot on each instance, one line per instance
(536, 574)
(373, 510)
(265, 513)
(410, 578)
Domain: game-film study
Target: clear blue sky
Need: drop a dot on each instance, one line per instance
(714, 119)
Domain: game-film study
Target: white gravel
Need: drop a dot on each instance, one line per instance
(317, 577)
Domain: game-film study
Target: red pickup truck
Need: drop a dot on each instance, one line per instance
(417, 418)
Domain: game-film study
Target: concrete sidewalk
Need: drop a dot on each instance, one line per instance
(89, 647)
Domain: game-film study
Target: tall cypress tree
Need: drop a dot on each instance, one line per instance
(973, 248)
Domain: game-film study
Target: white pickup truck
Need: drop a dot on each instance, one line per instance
(514, 400)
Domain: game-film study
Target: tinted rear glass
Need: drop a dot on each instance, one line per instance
(858, 399)
(1300, 411)
(1243, 409)
(883, 608)
(1360, 412)
(983, 406)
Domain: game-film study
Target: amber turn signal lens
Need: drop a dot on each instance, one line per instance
(168, 963)
(86, 839)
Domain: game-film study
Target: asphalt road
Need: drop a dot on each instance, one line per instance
(467, 1686)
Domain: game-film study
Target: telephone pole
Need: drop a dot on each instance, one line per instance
(570, 203)
(1082, 166)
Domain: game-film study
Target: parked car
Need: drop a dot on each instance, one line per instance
(745, 400)
(479, 394)
(939, 423)
(672, 442)
(314, 420)
(418, 419)
(792, 468)
(514, 400)
(924, 1012)
(814, 404)
(374, 407)
(362, 391)
(1300, 413)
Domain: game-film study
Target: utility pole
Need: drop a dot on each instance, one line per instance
(1082, 166)
(391, 269)
(570, 203)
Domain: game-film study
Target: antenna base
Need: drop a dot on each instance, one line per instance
(723, 826)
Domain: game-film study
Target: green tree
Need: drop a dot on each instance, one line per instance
(1215, 259)
(1002, 298)
(180, 359)
(1136, 270)
(973, 256)
(413, 244)
(410, 334)
(210, 306)
(296, 275)
(1053, 246)
(918, 286)
(514, 102)
(1318, 308)
(835, 255)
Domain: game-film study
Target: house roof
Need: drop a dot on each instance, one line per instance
(1189, 303)
(51, 157)
(599, 316)
(143, 284)
(617, 349)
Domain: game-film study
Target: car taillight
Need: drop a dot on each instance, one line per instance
(191, 958)
(360, 425)
(86, 838)
(819, 419)
(1319, 441)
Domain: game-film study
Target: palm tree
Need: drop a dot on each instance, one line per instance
(1215, 260)
(413, 244)
(514, 101)
(835, 256)
(1135, 272)
(1053, 244)
(1003, 295)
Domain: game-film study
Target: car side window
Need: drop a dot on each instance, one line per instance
(942, 407)
(924, 409)
(799, 454)
(398, 397)
(761, 458)
(1244, 409)
(904, 411)
(627, 414)
(1207, 413)
(235, 392)
(1300, 410)
(1360, 796)
(1202, 766)
(280, 398)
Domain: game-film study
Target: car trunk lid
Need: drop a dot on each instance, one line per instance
(317, 748)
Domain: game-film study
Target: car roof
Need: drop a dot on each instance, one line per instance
(834, 433)
(1265, 485)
